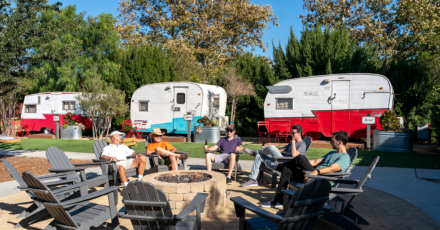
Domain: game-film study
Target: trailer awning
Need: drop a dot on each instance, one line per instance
(279, 89)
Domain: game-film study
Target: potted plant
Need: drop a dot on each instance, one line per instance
(208, 132)
(71, 129)
(391, 137)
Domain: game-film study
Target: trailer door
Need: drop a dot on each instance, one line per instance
(340, 106)
(180, 108)
(56, 103)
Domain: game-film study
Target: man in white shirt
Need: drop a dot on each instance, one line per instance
(118, 152)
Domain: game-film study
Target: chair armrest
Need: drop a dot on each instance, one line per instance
(239, 201)
(180, 152)
(283, 158)
(346, 191)
(89, 164)
(331, 174)
(122, 215)
(289, 192)
(198, 201)
(60, 182)
(53, 175)
(215, 151)
(90, 196)
(333, 179)
(238, 153)
(76, 185)
(131, 157)
(151, 155)
(100, 160)
(67, 170)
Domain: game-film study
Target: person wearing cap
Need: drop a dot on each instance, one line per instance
(228, 145)
(167, 155)
(118, 152)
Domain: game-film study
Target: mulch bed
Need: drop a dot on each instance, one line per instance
(35, 165)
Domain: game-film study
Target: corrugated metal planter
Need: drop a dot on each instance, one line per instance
(71, 132)
(393, 141)
(202, 133)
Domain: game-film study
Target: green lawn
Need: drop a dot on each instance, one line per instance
(388, 159)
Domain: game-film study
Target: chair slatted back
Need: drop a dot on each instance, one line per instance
(98, 146)
(352, 153)
(308, 141)
(58, 158)
(367, 174)
(307, 203)
(263, 126)
(48, 199)
(14, 173)
(144, 191)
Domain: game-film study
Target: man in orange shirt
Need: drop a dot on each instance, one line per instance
(167, 155)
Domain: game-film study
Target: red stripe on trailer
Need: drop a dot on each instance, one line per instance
(48, 122)
(327, 122)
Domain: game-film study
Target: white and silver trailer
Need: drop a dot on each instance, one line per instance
(163, 105)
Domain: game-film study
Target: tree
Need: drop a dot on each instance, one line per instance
(22, 30)
(323, 52)
(88, 45)
(101, 102)
(8, 104)
(396, 27)
(214, 31)
(235, 86)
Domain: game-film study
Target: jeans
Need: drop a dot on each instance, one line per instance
(292, 170)
(263, 154)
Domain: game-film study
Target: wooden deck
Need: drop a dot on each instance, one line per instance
(42, 136)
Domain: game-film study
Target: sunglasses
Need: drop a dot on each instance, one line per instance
(229, 131)
(293, 133)
(157, 135)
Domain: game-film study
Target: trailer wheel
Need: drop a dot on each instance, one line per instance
(314, 135)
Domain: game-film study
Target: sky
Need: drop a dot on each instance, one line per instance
(287, 11)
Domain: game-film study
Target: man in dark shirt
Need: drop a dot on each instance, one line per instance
(228, 146)
(296, 147)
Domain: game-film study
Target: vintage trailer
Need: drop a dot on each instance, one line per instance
(40, 108)
(162, 105)
(328, 103)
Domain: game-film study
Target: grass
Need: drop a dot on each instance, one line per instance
(387, 159)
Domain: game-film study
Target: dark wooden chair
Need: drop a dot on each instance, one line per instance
(61, 164)
(76, 213)
(112, 175)
(154, 160)
(342, 213)
(37, 211)
(275, 174)
(303, 209)
(148, 208)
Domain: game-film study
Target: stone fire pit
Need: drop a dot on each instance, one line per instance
(181, 194)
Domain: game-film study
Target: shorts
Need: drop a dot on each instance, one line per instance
(221, 158)
(126, 163)
(165, 161)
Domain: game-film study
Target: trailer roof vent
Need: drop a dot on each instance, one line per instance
(279, 89)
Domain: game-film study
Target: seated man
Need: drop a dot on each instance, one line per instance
(118, 152)
(167, 155)
(294, 148)
(334, 161)
(228, 146)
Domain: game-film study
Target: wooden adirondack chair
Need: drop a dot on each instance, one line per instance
(37, 211)
(154, 161)
(61, 164)
(304, 208)
(77, 213)
(148, 208)
(98, 146)
(342, 213)
(275, 174)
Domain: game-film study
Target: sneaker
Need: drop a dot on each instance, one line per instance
(271, 204)
(228, 180)
(250, 152)
(250, 183)
(271, 164)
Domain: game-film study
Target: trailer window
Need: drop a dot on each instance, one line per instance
(180, 98)
(284, 103)
(69, 105)
(143, 106)
(30, 109)
(216, 103)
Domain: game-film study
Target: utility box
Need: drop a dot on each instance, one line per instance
(423, 132)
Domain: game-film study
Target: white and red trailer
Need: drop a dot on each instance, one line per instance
(328, 103)
(40, 108)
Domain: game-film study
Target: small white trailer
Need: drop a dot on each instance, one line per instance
(38, 110)
(328, 103)
(163, 105)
